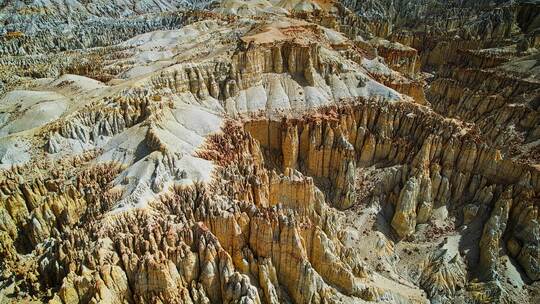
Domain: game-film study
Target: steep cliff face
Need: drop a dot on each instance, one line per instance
(269, 152)
(482, 58)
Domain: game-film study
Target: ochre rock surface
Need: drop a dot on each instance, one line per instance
(269, 152)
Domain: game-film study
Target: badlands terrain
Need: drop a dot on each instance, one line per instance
(269, 151)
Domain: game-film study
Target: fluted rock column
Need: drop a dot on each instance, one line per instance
(289, 147)
(277, 59)
(492, 234)
(404, 220)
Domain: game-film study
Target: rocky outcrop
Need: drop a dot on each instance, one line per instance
(502, 106)
(404, 220)
(430, 187)
(443, 274)
(316, 151)
(493, 231)
(285, 152)
(399, 57)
